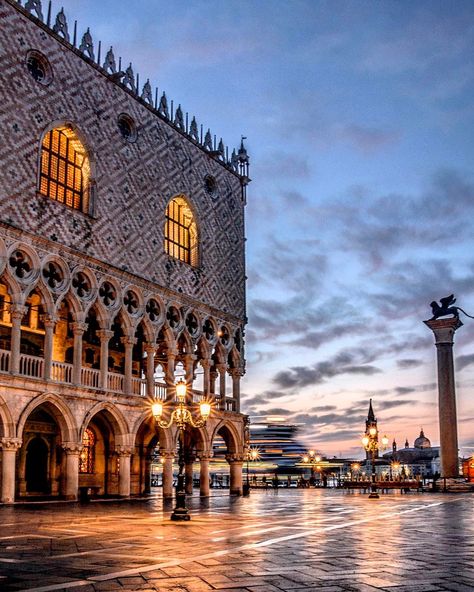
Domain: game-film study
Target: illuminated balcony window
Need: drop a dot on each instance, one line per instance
(181, 237)
(64, 174)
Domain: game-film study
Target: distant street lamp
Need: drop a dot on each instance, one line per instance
(181, 416)
(253, 454)
(371, 444)
(355, 468)
(312, 459)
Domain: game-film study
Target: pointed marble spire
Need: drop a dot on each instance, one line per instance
(147, 94)
(178, 118)
(60, 26)
(109, 63)
(163, 106)
(129, 78)
(87, 46)
(234, 161)
(370, 415)
(193, 130)
(208, 140)
(221, 149)
(35, 5)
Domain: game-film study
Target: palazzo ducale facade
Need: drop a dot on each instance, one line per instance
(122, 269)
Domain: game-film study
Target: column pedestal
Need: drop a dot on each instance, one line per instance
(444, 330)
(72, 451)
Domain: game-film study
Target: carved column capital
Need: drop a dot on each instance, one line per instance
(167, 454)
(128, 341)
(49, 321)
(105, 335)
(235, 458)
(206, 362)
(17, 311)
(444, 329)
(123, 450)
(79, 327)
(150, 348)
(221, 368)
(204, 455)
(73, 448)
(11, 443)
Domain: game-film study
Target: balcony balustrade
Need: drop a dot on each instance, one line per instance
(62, 372)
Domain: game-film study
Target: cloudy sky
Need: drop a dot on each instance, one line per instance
(359, 118)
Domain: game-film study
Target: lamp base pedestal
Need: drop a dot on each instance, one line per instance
(180, 511)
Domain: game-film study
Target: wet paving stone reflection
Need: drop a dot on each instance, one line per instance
(290, 540)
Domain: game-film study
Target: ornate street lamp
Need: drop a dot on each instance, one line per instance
(371, 444)
(312, 459)
(253, 454)
(181, 416)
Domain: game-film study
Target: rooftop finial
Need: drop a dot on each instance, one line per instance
(87, 45)
(60, 26)
(36, 6)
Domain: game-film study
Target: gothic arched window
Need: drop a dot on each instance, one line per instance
(65, 169)
(181, 236)
(87, 456)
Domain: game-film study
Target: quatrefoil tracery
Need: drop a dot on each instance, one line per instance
(20, 263)
(52, 275)
(153, 310)
(131, 302)
(81, 284)
(107, 293)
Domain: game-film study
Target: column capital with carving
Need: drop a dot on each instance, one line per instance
(105, 334)
(167, 454)
(11, 443)
(235, 458)
(444, 329)
(79, 327)
(123, 450)
(17, 311)
(150, 348)
(73, 448)
(129, 341)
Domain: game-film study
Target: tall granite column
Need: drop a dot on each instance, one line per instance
(444, 330)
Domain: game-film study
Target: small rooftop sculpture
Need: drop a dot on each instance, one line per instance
(446, 308)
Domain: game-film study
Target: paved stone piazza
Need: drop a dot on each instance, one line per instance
(273, 541)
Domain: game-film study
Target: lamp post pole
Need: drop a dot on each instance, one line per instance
(371, 444)
(181, 416)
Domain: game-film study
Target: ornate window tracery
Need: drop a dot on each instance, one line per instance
(65, 169)
(87, 456)
(181, 236)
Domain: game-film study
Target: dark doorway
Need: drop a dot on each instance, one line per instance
(36, 470)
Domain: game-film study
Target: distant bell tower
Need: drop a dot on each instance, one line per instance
(371, 422)
(394, 446)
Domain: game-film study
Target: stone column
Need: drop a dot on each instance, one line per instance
(150, 349)
(16, 312)
(188, 474)
(235, 462)
(206, 368)
(444, 330)
(78, 328)
(222, 371)
(128, 343)
(72, 450)
(105, 336)
(124, 454)
(189, 360)
(204, 474)
(236, 374)
(49, 323)
(9, 448)
(168, 458)
(169, 376)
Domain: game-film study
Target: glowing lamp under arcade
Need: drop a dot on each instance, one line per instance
(157, 409)
(205, 410)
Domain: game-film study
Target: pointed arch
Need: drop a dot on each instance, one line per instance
(116, 419)
(7, 426)
(58, 409)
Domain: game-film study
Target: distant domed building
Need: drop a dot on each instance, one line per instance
(422, 441)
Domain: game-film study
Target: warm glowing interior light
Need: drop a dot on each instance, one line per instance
(157, 409)
(181, 388)
(365, 440)
(356, 466)
(385, 440)
(373, 431)
(205, 409)
(317, 458)
(311, 452)
(305, 459)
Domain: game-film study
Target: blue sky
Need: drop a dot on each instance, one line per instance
(359, 118)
